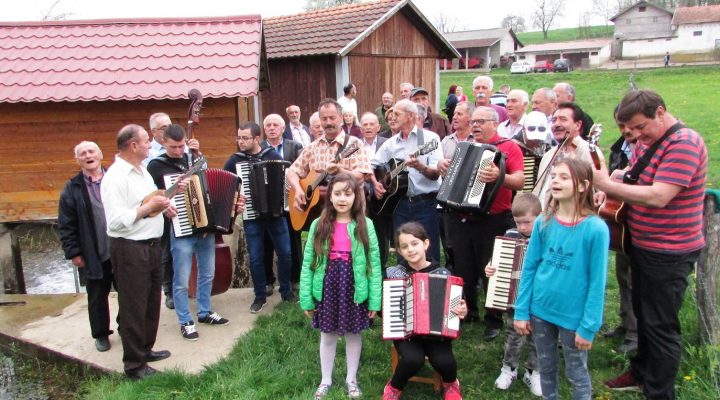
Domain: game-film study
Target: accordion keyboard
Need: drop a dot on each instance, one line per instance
(498, 292)
(183, 223)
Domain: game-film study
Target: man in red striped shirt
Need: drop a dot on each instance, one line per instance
(665, 221)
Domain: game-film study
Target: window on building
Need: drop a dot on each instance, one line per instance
(650, 40)
(697, 33)
(593, 53)
(521, 57)
(717, 43)
(642, 9)
(655, 19)
(627, 21)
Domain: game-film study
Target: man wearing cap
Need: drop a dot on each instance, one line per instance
(433, 121)
(483, 90)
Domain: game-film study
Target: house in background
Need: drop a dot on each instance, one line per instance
(484, 48)
(581, 53)
(375, 45)
(68, 81)
(646, 30)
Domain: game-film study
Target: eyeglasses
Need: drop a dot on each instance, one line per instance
(160, 128)
(480, 121)
(244, 138)
(538, 128)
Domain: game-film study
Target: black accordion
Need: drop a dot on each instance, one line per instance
(462, 189)
(207, 204)
(263, 188)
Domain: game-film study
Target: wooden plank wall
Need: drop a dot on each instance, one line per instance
(302, 81)
(37, 156)
(396, 52)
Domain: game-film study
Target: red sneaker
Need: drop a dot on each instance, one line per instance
(452, 390)
(624, 382)
(390, 393)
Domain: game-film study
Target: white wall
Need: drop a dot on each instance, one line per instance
(705, 42)
(602, 56)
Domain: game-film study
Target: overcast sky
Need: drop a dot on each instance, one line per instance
(466, 14)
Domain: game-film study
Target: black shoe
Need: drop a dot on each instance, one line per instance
(628, 346)
(290, 297)
(213, 319)
(189, 332)
(169, 302)
(471, 318)
(269, 290)
(257, 305)
(157, 355)
(141, 373)
(491, 334)
(102, 344)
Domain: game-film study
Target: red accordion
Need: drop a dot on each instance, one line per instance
(420, 305)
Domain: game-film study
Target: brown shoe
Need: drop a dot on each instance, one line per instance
(624, 383)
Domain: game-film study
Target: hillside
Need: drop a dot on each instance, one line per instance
(567, 34)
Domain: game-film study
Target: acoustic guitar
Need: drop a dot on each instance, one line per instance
(612, 210)
(314, 192)
(394, 179)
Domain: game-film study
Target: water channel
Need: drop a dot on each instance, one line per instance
(46, 272)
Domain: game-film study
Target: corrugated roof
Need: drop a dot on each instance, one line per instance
(479, 37)
(576, 45)
(696, 15)
(130, 59)
(337, 30)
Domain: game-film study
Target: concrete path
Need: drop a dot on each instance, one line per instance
(59, 324)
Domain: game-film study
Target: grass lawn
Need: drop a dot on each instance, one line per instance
(688, 93)
(279, 358)
(565, 35)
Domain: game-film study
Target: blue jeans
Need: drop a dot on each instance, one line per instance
(182, 250)
(545, 334)
(254, 234)
(425, 213)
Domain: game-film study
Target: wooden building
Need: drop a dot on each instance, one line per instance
(67, 81)
(375, 45)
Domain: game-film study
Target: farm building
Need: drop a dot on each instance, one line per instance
(375, 45)
(67, 81)
(582, 53)
(484, 48)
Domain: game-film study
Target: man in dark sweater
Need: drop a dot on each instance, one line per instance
(83, 234)
(176, 161)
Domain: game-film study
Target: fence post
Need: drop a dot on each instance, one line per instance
(707, 276)
(11, 271)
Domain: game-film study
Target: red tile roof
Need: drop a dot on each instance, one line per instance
(696, 15)
(131, 59)
(338, 30)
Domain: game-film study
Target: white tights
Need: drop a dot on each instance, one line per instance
(328, 344)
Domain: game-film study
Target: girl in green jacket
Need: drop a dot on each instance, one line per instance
(341, 278)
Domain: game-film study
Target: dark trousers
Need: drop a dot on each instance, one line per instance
(385, 235)
(658, 289)
(138, 273)
(98, 307)
(411, 359)
(424, 212)
(627, 316)
(295, 256)
(167, 263)
(472, 242)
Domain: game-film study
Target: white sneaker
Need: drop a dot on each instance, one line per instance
(507, 376)
(533, 382)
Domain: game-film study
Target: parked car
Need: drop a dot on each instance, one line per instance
(543, 66)
(562, 65)
(520, 67)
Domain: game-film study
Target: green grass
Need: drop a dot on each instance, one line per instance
(688, 93)
(567, 34)
(279, 360)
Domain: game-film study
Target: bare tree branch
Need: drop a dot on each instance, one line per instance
(445, 23)
(514, 22)
(545, 14)
(50, 16)
(320, 4)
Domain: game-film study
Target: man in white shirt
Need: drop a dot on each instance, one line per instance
(135, 228)
(517, 102)
(158, 122)
(295, 130)
(347, 101)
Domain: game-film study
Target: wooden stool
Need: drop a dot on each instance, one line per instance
(435, 380)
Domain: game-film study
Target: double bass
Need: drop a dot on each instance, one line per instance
(223, 259)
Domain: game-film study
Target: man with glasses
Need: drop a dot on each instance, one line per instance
(158, 123)
(249, 150)
(472, 236)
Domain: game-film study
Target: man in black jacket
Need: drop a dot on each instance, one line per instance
(83, 234)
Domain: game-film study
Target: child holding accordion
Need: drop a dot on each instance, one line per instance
(413, 243)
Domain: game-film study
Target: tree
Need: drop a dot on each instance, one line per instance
(514, 22)
(445, 23)
(320, 4)
(50, 14)
(547, 11)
